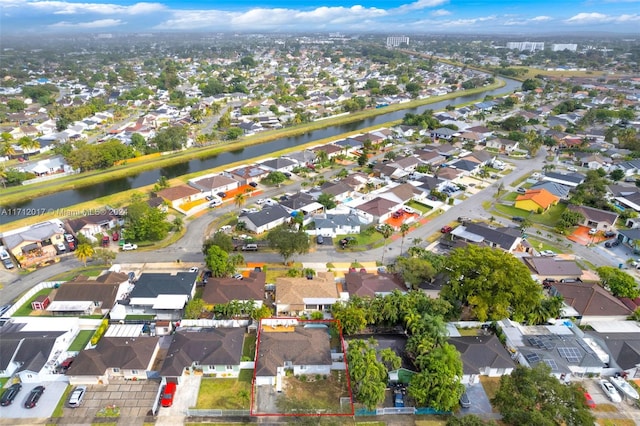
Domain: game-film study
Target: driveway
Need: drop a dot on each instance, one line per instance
(134, 398)
(52, 393)
(265, 400)
(480, 404)
(186, 397)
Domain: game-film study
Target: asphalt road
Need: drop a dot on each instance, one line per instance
(188, 248)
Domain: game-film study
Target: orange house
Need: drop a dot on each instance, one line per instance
(534, 200)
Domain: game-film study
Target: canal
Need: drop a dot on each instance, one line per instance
(71, 197)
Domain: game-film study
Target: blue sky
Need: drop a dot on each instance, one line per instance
(388, 16)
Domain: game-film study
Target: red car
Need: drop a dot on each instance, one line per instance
(168, 394)
(590, 402)
(115, 236)
(446, 229)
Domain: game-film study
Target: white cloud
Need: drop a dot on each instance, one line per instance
(419, 5)
(440, 12)
(600, 18)
(541, 18)
(68, 8)
(100, 23)
(261, 18)
(469, 21)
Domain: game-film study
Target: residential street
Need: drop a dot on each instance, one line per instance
(188, 248)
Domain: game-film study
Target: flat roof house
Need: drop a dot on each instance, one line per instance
(162, 294)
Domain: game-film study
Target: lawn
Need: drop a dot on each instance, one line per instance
(87, 271)
(362, 240)
(222, 394)
(468, 331)
(140, 317)
(511, 196)
(249, 346)
(616, 422)
(542, 245)
(419, 206)
(430, 422)
(25, 310)
(81, 340)
(490, 385)
(314, 393)
(549, 218)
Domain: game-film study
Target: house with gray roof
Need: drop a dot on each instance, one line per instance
(466, 166)
(549, 267)
(602, 220)
(443, 133)
(623, 350)
(568, 179)
(214, 184)
(331, 225)
(507, 239)
(563, 348)
(299, 349)
(349, 145)
(557, 189)
(31, 352)
(213, 351)
(129, 358)
(280, 164)
(266, 219)
(482, 356)
(36, 243)
(91, 225)
(247, 174)
(303, 157)
(162, 294)
(303, 202)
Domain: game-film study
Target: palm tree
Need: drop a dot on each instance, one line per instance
(240, 199)
(178, 224)
(83, 252)
(416, 241)
(3, 176)
(404, 230)
(386, 232)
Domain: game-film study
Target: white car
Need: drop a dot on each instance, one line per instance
(76, 396)
(238, 276)
(408, 210)
(193, 269)
(593, 231)
(260, 201)
(547, 253)
(61, 247)
(68, 237)
(610, 391)
(572, 169)
(129, 246)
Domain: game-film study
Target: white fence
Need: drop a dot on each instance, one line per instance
(47, 177)
(214, 323)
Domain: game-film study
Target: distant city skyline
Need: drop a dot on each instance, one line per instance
(383, 16)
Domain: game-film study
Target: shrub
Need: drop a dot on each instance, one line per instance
(303, 378)
(99, 332)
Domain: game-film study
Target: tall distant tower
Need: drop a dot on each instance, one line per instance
(395, 41)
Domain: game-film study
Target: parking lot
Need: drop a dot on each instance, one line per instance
(47, 403)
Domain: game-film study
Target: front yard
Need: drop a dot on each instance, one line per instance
(226, 394)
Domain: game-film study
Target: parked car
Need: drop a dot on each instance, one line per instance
(572, 169)
(319, 239)
(167, 394)
(613, 243)
(589, 400)
(408, 210)
(610, 391)
(593, 231)
(72, 245)
(76, 396)
(610, 234)
(238, 276)
(105, 241)
(250, 247)
(465, 402)
(253, 184)
(34, 397)
(10, 394)
(521, 190)
(547, 253)
(463, 219)
(517, 219)
(68, 237)
(398, 399)
(115, 236)
(193, 269)
(8, 264)
(446, 229)
(215, 203)
(222, 194)
(129, 246)
(61, 247)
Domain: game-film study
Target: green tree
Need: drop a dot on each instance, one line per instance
(217, 261)
(368, 375)
(104, 256)
(533, 396)
(194, 308)
(220, 239)
(390, 359)
(234, 133)
(362, 159)
(438, 384)
(352, 318)
(414, 270)
(404, 230)
(493, 283)
(327, 200)
(274, 178)
(288, 242)
(619, 282)
(145, 223)
(616, 175)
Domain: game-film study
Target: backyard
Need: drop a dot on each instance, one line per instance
(315, 393)
(81, 340)
(423, 208)
(226, 394)
(25, 310)
(249, 347)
